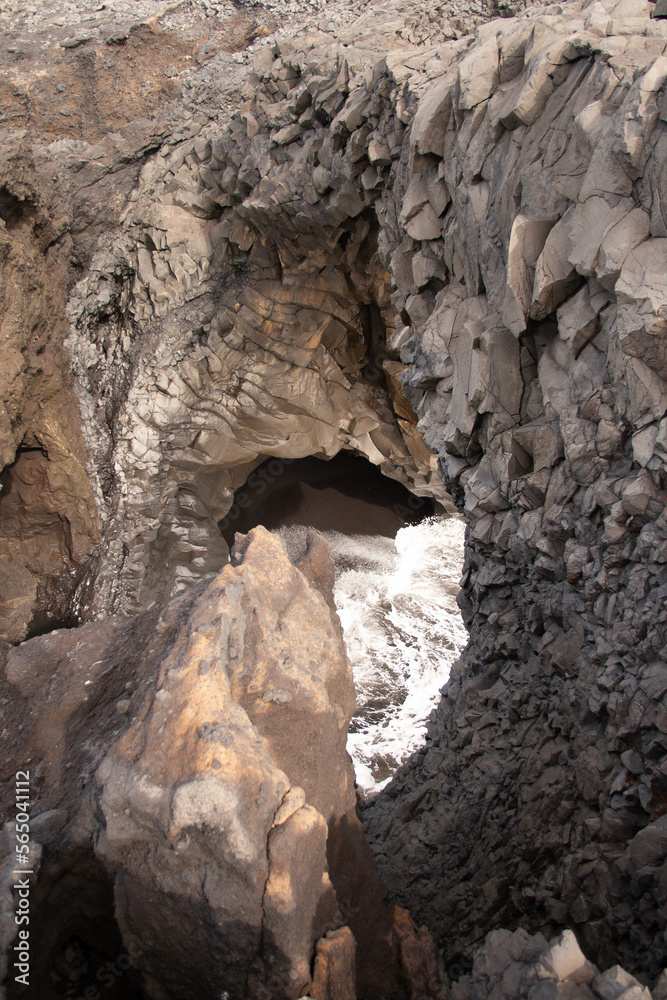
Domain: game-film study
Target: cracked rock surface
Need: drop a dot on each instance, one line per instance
(196, 755)
(437, 239)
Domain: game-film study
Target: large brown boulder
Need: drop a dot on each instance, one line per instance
(209, 736)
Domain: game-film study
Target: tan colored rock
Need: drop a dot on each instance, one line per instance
(334, 968)
(393, 371)
(290, 902)
(223, 784)
(49, 523)
(526, 100)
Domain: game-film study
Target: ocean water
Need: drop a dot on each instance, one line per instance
(396, 599)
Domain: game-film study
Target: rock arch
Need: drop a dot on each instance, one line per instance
(511, 185)
(220, 330)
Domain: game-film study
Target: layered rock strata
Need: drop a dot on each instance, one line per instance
(133, 467)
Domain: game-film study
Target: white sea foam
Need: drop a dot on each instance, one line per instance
(403, 630)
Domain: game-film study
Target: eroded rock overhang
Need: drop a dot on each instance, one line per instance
(496, 201)
(238, 317)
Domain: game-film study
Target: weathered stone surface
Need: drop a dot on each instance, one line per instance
(564, 960)
(642, 313)
(555, 276)
(432, 118)
(365, 195)
(527, 240)
(48, 521)
(420, 960)
(518, 964)
(613, 983)
(334, 968)
(216, 775)
(552, 451)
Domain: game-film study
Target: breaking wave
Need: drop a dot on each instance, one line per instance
(396, 599)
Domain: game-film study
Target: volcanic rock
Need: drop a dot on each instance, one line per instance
(478, 199)
(198, 751)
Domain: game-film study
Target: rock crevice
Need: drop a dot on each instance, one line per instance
(445, 250)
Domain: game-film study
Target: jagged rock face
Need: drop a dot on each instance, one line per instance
(539, 374)
(489, 207)
(521, 965)
(276, 374)
(48, 519)
(525, 262)
(285, 359)
(209, 740)
(158, 469)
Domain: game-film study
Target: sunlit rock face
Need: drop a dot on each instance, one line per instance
(128, 195)
(410, 240)
(213, 787)
(216, 356)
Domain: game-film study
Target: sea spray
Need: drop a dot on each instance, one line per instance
(396, 600)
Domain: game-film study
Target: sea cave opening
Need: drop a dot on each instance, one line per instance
(398, 561)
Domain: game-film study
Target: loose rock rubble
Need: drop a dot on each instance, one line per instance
(518, 964)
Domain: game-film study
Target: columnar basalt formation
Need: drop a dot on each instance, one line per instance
(539, 374)
(413, 240)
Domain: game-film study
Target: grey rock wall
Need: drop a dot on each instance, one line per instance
(520, 965)
(539, 374)
(513, 181)
(487, 210)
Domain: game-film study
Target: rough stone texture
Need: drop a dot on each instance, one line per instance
(48, 521)
(247, 306)
(420, 960)
(84, 193)
(517, 964)
(199, 752)
(488, 211)
(536, 798)
(334, 967)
